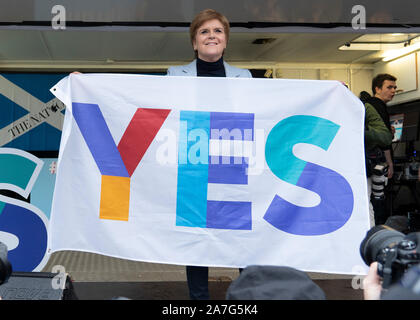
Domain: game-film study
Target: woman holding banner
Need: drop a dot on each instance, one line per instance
(209, 34)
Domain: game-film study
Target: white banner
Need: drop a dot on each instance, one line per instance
(211, 171)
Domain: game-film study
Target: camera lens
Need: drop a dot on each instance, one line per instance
(377, 239)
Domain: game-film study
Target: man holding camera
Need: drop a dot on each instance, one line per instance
(384, 87)
(377, 136)
(394, 260)
(380, 165)
(406, 289)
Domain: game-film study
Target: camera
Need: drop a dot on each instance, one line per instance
(5, 266)
(394, 251)
(379, 180)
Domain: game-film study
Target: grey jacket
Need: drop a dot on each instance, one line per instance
(191, 70)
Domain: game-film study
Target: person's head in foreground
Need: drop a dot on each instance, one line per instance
(273, 283)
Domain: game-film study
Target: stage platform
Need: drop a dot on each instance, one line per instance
(97, 277)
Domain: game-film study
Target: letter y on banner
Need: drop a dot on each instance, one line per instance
(117, 163)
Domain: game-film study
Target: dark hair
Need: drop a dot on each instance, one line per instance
(204, 16)
(378, 81)
(364, 96)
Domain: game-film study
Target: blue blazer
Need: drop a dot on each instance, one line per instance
(191, 70)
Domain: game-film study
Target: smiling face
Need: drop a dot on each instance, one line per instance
(210, 41)
(387, 92)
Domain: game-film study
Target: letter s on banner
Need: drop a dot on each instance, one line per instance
(23, 227)
(336, 204)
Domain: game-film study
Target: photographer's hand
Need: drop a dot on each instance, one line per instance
(372, 285)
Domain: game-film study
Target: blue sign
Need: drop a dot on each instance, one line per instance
(23, 226)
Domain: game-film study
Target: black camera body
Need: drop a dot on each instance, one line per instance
(5, 266)
(394, 251)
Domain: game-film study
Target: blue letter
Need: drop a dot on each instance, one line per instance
(336, 195)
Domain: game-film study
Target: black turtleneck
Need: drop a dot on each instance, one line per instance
(210, 69)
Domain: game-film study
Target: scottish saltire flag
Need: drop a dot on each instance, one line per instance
(211, 171)
(31, 117)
